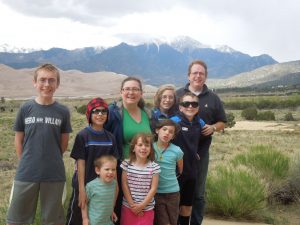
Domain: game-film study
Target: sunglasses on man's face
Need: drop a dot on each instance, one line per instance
(100, 111)
(187, 104)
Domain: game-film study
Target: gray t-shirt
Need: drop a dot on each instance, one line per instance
(42, 125)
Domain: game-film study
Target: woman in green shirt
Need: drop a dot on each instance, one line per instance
(128, 117)
(125, 119)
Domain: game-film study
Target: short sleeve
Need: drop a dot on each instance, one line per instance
(156, 168)
(19, 124)
(78, 151)
(179, 154)
(124, 165)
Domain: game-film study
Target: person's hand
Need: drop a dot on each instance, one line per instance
(85, 221)
(82, 199)
(114, 217)
(137, 209)
(208, 130)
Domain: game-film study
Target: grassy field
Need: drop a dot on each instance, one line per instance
(224, 148)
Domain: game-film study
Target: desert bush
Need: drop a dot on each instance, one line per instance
(249, 113)
(234, 193)
(288, 191)
(81, 109)
(230, 120)
(289, 117)
(270, 163)
(267, 115)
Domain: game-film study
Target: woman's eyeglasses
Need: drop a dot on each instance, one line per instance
(128, 89)
(100, 111)
(187, 104)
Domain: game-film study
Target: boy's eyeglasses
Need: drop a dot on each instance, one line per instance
(100, 111)
(187, 104)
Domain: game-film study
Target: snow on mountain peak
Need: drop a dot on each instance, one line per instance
(225, 49)
(182, 43)
(12, 49)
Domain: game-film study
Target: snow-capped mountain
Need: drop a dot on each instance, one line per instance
(225, 49)
(14, 49)
(157, 62)
(184, 43)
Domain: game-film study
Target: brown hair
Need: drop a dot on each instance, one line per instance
(47, 67)
(141, 102)
(146, 139)
(98, 162)
(167, 122)
(159, 93)
(188, 94)
(199, 62)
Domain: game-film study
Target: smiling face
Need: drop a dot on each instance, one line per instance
(46, 83)
(131, 92)
(188, 110)
(107, 172)
(98, 117)
(167, 100)
(197, 77)
(142, 149)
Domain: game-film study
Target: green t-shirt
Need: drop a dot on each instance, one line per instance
(131, 127)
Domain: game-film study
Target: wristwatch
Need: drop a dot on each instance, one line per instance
(214, 128)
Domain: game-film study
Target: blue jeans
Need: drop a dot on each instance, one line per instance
(199, 200)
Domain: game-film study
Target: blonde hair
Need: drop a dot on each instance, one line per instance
(98, 162)
(160, 91)
(47, 67)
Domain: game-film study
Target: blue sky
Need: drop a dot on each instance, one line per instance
(254, 27)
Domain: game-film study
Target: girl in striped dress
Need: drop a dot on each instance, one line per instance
(139, 182)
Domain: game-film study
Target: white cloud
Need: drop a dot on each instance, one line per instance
(254, 27)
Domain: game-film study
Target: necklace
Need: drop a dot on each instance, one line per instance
(161, 151)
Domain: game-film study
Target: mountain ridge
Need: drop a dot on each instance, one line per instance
(157, 63)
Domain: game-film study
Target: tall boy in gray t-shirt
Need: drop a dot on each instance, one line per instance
(42, 129)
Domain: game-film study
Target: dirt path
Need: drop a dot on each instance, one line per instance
(261, 125)
(209, 221)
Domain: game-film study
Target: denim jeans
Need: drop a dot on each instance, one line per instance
(199, 200)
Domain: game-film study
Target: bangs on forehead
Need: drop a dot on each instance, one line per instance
(145, 139)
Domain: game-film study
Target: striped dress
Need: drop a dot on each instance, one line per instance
(139, 182)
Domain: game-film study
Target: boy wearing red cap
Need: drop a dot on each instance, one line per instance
(90, 143)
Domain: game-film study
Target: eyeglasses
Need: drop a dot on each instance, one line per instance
(198, 73)
(187, 104)
(170, 97)
(100, 112)
(50, 81)
(133, 89)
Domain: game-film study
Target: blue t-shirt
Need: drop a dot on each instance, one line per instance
(168, 160)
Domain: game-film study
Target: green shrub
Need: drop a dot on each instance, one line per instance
(81, 109)
(234, 193)
(249, 113)
(267, 115)
(230, 120)
(271, 163)
(289, 117)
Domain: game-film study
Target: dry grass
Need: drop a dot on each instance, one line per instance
(225, 146)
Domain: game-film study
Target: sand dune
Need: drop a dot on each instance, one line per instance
(18, 83)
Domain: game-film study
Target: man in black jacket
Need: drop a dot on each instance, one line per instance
(212, 112)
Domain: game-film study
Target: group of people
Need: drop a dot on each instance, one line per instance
(132, 165)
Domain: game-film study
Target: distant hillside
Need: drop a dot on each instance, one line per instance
(281, 74)
(18, 84)
(156, 63)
